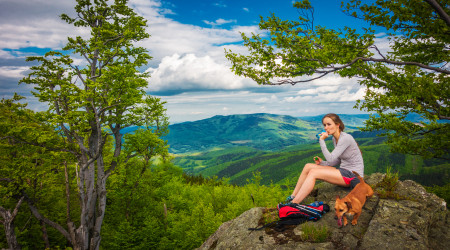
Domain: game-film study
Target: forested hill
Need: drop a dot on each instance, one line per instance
(260, 131)
(276, 146)
(239, 164)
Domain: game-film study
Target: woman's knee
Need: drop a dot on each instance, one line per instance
(308, 167)
(315, 173)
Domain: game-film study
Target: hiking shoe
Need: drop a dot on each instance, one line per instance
(289, 199)
(280, 205)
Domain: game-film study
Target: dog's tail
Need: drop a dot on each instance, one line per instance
(359, 177)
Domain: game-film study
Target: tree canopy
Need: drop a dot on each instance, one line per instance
(410, 78)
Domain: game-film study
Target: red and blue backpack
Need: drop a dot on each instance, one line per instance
(311, 212)
(294, 214)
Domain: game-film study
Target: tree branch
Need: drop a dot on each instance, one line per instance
(16, 209)
(365, 59)
(66, 175)
(370, 59)
(56, 226)
(6, 179)
(439, 10)
(113, 39)
(39, 145)
(289, 81)
(379, 52)
(84, 53)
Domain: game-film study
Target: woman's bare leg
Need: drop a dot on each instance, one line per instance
(329, 174)
(306, 169)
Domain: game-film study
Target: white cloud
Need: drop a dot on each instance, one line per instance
(318, 90)
(298, 99)
(189, 72)
(36, 23)
(219, 22)
(13, 72)
(266, 99)
(221, 5)
(246, 9)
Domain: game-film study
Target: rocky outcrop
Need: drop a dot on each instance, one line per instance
(407, 218)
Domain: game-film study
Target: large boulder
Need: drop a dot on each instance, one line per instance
(406, 217)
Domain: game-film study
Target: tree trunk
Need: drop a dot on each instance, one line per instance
(45, 235)
(11, 236)
(101, 204)
(8, 223)
(91, 180)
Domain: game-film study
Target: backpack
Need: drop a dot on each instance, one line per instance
(294, 214)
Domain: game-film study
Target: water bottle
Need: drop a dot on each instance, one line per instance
(318, 135)
(316, 204)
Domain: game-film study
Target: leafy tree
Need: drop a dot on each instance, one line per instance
(12, 198)
(28, 170)
(413, 77)
(90, 104)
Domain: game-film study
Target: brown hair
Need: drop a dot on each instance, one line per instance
(336, 120)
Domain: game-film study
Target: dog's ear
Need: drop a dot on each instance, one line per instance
(349, 204)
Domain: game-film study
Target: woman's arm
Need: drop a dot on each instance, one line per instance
(332, 159)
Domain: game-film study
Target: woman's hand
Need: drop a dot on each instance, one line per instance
(317, 160)
(324, 135)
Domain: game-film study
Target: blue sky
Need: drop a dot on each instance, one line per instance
(189, 70)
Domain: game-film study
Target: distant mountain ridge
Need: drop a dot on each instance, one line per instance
(260, 131)
(355, 121)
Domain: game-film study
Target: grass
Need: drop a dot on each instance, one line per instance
(315, 234)
(386, 188)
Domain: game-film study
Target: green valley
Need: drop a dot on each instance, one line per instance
(259, 131)
(281, 158)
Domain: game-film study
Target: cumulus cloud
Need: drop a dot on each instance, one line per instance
(189, 39)
(176, 74)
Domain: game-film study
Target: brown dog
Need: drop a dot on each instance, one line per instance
(352, 203)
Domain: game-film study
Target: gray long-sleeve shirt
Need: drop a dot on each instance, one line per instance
(346, 153)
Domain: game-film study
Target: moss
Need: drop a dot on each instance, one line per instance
(269, 215)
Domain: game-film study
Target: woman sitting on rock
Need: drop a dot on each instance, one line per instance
(346, 153)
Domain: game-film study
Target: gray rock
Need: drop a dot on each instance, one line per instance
(414, 220)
